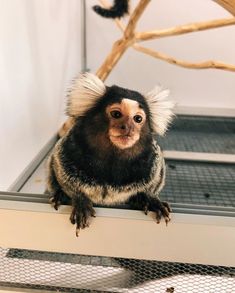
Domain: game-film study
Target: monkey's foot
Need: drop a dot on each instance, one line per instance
(82, 212)
(147, 203)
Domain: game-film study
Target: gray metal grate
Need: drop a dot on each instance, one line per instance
(200, 134)
(188, 182)
(200, 183)
(79, 273)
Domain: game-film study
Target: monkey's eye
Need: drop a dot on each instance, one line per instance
(138, 118)
(116, 114)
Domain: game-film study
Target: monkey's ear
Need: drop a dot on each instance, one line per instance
(85, 92)
(160, 107)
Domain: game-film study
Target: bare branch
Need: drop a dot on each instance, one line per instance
(135, 16)
(202, 65)
(229, 5)
(122, 45)
(183, 29)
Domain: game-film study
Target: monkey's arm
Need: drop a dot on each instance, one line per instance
(82, 207)
(57, 195)
(149, 200)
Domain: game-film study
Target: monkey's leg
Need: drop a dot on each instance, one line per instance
(82, 212)
(143, 201)
(57, 196)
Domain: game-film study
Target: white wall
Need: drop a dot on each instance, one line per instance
(39, 54)
(190, 88)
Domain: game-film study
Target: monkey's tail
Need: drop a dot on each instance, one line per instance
(119, 9)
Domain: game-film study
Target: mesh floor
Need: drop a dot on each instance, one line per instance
(200, 183)
(187, 182)
(79, 273)
(200, 134)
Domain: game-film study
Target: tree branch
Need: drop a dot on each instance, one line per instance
(122, 45)
(183, 29)
(229, 5)
(135, 16)
(202, 65)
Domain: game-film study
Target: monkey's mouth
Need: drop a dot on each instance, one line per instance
(123, 137)
(123, 141)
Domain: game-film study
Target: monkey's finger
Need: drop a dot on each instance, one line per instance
(158, 216)
(72, 217)
(93, 213)
(167, 219)
(79, 220)
(167, 206)
(77, 232)
(166, 216)
(56, 205)
(86, 220)
(51, 199)
(146, 208)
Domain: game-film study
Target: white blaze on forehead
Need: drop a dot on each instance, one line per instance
(127, 107)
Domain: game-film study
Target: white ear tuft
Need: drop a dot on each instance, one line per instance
(85, 92)
(160, 109)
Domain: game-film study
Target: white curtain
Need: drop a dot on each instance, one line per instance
(39, 55)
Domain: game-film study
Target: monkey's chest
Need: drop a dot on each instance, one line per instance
(116, 174)
(114, 185)
(109, 195)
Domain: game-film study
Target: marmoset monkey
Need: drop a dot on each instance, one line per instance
(110, 156)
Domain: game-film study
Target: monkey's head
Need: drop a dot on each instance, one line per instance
(119, 116)
(127, 120)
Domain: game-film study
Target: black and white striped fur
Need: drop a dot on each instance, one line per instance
(88, 168)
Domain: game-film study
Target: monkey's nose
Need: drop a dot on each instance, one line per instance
(124, 127)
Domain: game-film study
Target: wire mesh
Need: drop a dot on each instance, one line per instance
(80, 273)
(200, 183)
(188, 182)
(200, 134)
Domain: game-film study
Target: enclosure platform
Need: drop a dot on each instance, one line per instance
(200, 134)
(124, 250)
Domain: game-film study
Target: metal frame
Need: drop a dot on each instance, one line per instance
(188, 238)
(200, 111)
(23, 177)
(23, 290)
(200, 157)
(83, 36)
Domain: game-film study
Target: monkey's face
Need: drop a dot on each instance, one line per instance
(126, 120)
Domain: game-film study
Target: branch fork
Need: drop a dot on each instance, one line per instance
(131, 38)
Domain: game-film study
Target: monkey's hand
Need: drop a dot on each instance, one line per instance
(146, 203)
(82, 212)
